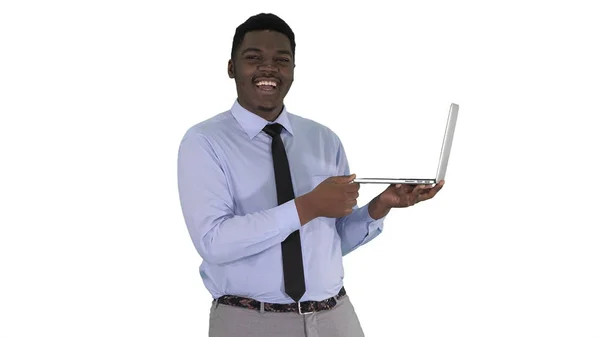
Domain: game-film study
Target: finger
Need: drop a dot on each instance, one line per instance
(344, 179)
(350, 188)
(418, 190)
(416, 195)
(353, 187)
(339, 179)
(352, 195)
(425, 190)
(431, 192)
(403, 189)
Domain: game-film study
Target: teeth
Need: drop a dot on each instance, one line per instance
(271, 83)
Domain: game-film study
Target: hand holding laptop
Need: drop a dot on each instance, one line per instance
(336, 196)
(405, 195)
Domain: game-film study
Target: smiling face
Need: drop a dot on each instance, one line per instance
(263, 69)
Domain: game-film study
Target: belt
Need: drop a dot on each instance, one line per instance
(302, 308)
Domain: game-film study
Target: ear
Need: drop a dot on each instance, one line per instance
(230, 69)
(293, 73)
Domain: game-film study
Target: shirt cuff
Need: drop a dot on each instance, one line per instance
(287, 218)
(374, 227)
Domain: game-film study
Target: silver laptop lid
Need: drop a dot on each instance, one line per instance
(447, 143)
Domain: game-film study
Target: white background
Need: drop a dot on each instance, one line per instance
(96, 95)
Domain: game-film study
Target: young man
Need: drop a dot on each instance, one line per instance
(270, 203)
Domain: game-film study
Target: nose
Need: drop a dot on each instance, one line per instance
(268, 65)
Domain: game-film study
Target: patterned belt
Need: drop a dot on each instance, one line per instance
(302, 308)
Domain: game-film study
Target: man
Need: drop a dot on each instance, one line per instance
(270, 203)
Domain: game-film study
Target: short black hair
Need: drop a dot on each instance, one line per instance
(262, 21)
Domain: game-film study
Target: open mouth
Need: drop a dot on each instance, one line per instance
(266, 86)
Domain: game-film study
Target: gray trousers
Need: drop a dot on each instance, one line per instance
(229, 321)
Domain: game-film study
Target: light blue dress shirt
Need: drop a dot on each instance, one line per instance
(229, 203)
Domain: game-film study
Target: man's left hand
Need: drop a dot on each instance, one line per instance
(402, 195)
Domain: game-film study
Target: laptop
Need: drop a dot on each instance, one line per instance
(442, 164)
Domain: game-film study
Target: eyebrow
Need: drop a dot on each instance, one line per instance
(253, 49)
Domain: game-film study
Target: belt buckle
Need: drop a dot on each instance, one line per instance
(300, 310)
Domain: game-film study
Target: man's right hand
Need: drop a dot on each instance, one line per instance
(333, 198)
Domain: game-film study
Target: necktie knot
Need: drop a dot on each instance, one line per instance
(273, 129)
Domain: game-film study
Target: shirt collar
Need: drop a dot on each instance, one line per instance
(253, 123)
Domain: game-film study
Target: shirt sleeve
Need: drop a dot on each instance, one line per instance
(207, 204)
(357, 228)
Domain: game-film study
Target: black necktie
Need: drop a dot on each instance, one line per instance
(293, 270)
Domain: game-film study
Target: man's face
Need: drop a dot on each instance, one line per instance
(263, 68)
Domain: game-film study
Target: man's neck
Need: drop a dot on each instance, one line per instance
(267, 115)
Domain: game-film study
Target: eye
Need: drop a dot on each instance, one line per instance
(283, 59)
(252, 57)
